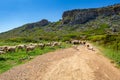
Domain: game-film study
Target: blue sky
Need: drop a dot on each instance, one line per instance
(14, 13)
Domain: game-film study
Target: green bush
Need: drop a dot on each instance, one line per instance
(96, 38)
(22, 39)
(110, 46)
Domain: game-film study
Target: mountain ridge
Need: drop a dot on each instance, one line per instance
(79, 16)
(73, 22)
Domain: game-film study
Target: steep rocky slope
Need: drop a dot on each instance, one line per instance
(79, 16)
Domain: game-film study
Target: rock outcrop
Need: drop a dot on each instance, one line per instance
(80, 16)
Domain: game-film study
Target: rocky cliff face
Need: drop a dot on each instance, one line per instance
(80, 16)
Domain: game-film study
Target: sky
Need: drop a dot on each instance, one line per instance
(15, 13)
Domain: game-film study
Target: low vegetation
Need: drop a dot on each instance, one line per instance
(112, 54)
(109, 45)
(12, 59)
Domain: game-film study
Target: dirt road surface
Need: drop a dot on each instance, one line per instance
(65, 64)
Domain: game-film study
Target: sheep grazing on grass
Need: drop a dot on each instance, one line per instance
(3, 48)
(2, 52)
(30, 44)
(56, 44)
(68, 42)
(29, 48)
(33, 44)
(41, 45)
(48, 44)
(11, 48)
(20, 47)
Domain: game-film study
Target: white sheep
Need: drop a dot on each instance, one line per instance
(29, 48)
(2, 52)
(11, 48)
(20, 47)
(75, 41)
(56, 44)
(41, 45)
(3, 48)
(48, 44)
(90, 47)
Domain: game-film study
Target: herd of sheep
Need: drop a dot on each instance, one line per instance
(89, 47)
(27, 47)
(32, 46)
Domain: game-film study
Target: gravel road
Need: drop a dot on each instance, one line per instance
(65, 64)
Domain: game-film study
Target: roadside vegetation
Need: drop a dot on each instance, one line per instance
(11, 59)
(109, 45)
